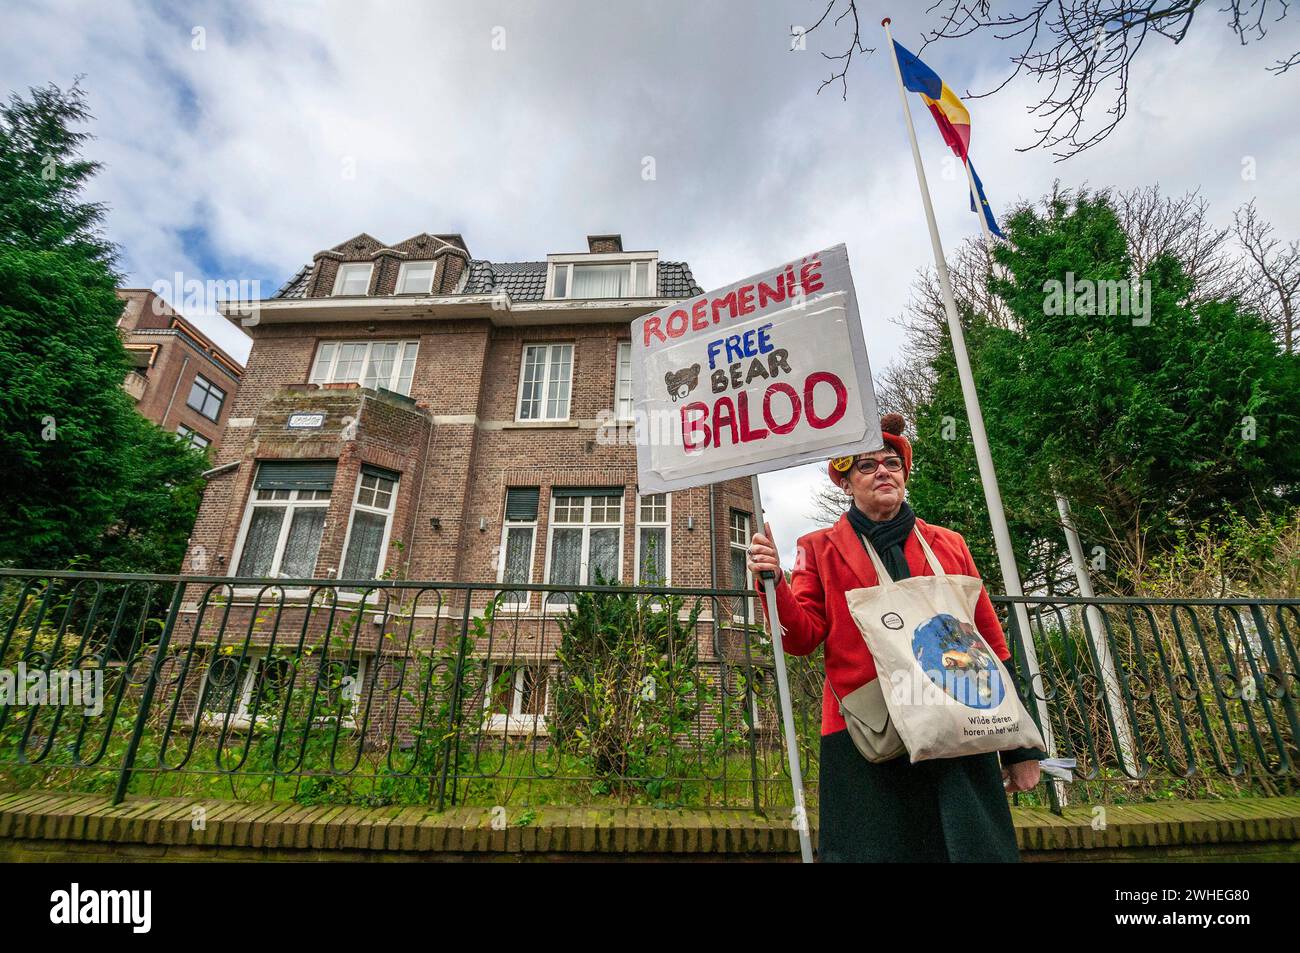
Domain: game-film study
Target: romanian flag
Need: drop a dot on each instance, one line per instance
(949, 114)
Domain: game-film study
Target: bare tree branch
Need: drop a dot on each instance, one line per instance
(1274, 290)
(1081, 50)
(855, 45)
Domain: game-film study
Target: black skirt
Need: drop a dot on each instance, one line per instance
(944, 810)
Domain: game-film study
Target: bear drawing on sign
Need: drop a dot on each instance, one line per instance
(681, 383)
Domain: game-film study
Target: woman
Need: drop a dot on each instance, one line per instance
(948, 809)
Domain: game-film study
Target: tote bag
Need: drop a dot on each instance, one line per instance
(948, 694)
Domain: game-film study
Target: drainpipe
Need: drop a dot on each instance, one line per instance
(713, 546)
(175, 387)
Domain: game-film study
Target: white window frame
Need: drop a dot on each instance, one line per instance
(623, 387)
(327, 376)
(290, 504)
(346, 266)
(544, 399)
(564, 264)
(358, 506)
(667, 526)
(240, 718)
(401, 277)
(515, 721)
(506, 526)
(210, 390)
(584, 562)
(732, 546)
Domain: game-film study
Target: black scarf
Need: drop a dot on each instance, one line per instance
(887, 537)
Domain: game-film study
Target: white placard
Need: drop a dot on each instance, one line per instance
(767, 373)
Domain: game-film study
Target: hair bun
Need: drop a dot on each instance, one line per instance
(892, 423)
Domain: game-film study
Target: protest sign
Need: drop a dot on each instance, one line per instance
(766, 373)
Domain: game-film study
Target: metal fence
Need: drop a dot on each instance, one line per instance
(395, 692)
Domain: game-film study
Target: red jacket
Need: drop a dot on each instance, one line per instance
(813, 609)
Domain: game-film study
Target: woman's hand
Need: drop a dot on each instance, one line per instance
(762, 553)
(1021, 776)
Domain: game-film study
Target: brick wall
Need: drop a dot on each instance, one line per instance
(176, 354)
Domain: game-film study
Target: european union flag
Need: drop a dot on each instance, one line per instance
(988, 209)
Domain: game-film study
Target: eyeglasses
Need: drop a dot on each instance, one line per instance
(869, 466)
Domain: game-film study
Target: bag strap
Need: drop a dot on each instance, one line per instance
(882, 574)
(936, 567)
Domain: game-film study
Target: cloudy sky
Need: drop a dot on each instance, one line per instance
(240, 139)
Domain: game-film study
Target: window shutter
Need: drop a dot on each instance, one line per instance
(295, 475)
(571, 491)
(369, 469)
(521, 504)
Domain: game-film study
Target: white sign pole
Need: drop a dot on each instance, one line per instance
(988, 476)
(783, 693)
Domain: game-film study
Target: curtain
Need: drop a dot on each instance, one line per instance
(519, 557)
(738, 581)
(379, 372)
(602, 564)
(259, 545)
(323, 361)
(408, 369)
(600, 281)
(364, 545)
(226, 677)
(566, 561)
(654, 549)
(301, 548)
(348, 367)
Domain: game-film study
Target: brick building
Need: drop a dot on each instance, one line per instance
(411, 412)
(179, 379)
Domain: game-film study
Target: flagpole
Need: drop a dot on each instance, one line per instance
(984, 459)
(783, 691)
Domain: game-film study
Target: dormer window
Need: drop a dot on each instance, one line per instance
(353, 278)
(415, 278)
(602, 278)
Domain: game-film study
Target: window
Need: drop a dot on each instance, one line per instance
(192, 437)
(622, 279)
(386, 364)
(653, 564)
(282, 528)
(738, 538)
(367, 542)
(544, 382)
(586, 539)
(517, 535)
(340, 689)
(240, 688)
(623, 382)
(415, 278)
(206, 397)
(516, 697)
(228, 687)
(353, 279)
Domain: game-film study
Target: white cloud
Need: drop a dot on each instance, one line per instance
(526, 150)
